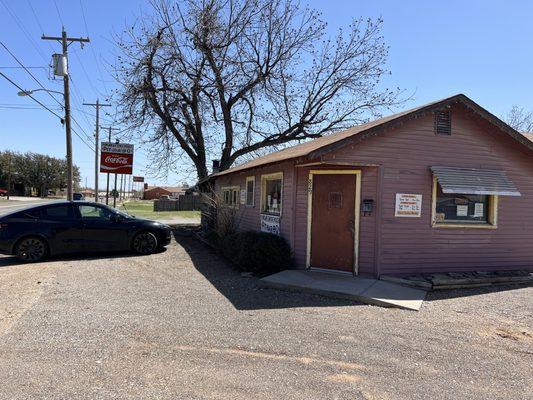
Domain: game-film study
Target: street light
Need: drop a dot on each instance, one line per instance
(30, 92)
(66, 121)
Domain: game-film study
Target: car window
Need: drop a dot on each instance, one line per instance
(94, 213)
(57, 213)
(35, 214)
(31, 214)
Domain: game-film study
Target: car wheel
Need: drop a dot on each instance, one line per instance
(145, 243)
(31, 249)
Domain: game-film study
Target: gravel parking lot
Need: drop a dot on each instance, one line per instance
(182, 324)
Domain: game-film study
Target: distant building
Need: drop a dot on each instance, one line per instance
(87, 192)
(155, 192)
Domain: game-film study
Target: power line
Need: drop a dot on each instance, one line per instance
(30, 96)
(45, 107)
(65, 42)
(49, 94)
(38, 22)
(23, 29)
(92, 48)
(79, 104)
(23, 68)
(87, 75)
(23, 108)
(28, 71)
(58, 13)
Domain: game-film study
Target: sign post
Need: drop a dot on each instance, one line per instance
(116, 158)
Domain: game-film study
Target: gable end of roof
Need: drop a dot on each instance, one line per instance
(335, 141)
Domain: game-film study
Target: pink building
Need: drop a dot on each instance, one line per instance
(443, 187)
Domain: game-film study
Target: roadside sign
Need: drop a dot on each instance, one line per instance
(138, 179)
(116, 158)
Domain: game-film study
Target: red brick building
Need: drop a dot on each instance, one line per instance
(155, 192)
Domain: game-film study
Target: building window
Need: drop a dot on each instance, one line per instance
(463, 210)
(230, 196)
(271, 193)
(250, 191)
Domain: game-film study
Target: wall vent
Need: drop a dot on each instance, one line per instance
(443, 122)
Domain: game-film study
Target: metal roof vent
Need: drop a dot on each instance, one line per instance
(443, 122)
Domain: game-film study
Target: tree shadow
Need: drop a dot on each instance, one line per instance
(243, 292)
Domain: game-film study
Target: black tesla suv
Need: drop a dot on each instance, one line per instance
(34, 233)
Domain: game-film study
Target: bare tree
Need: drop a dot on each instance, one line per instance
(520, 119)
(227, 79)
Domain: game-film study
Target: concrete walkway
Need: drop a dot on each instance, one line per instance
(365, 290)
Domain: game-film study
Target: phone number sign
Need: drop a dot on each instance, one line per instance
(408, 205)
(116, 158)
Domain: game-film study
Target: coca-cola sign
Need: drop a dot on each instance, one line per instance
(116, 158)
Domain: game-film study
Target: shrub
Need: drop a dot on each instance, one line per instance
(257, 252)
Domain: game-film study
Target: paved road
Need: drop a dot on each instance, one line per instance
(15, 203)
(182, 324)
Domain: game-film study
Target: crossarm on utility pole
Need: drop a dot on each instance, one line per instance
(65, 42)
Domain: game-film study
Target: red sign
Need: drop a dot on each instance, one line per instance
(116, 158)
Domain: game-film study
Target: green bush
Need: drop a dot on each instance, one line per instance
(257, 252)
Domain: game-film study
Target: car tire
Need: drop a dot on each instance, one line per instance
(31, 249)
(145, 243)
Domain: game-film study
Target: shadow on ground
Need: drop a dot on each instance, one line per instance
(446, 294)
(14, 261)
(244, 293)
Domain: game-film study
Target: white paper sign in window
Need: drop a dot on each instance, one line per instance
(408, 205)
(478, 210)
(462, 211)
(270, 223)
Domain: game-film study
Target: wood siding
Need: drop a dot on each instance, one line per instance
(411, 245)
(400, 162)
(249, 217)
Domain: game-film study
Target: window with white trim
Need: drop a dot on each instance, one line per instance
(250, 191)
(230, 196)
(271, 193)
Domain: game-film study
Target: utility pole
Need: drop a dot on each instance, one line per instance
(96, 105)
(121, 196)
(65, 42)
(107, 184)
(9, 175)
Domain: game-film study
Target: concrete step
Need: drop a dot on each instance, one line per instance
(365, 290)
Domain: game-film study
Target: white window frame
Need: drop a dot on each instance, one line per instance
(250, 179)
(264, 178)
(235, 192)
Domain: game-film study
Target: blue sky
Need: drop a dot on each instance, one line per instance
(480, 48)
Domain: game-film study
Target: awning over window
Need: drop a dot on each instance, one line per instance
(474, 181)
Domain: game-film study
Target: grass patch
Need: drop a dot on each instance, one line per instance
(145, 209)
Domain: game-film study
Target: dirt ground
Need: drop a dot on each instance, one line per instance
(182, 324)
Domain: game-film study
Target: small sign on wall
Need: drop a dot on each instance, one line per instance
(408, 205)
(243, 197)
(270, 224)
